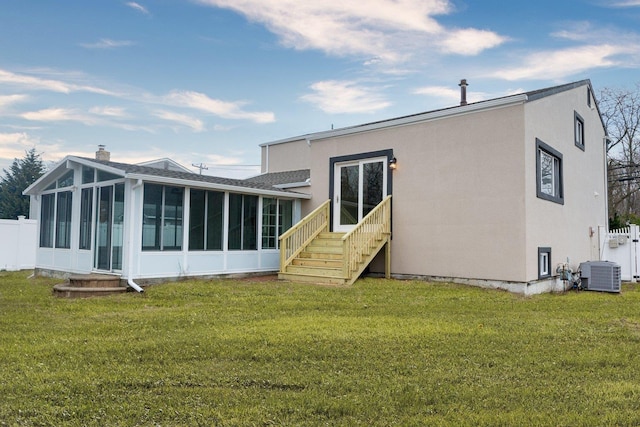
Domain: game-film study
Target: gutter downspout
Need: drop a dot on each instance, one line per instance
(130, 281)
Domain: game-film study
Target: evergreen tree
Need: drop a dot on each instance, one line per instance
(21, 174)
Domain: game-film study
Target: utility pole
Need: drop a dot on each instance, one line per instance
(200, 166)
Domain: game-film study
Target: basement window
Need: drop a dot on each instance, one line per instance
(544, 263)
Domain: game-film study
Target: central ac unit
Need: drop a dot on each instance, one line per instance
(600, 276)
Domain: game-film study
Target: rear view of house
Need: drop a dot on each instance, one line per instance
(495, 193)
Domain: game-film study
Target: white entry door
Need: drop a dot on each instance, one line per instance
(359, 187)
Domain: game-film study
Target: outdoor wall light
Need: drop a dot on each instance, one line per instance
(392, 163)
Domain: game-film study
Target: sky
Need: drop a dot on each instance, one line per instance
(204, 82)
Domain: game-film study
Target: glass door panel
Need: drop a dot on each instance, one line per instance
(118, 223)
(103, 228)
(348, 201)
(372, 182)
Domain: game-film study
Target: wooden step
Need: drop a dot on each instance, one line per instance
(331, 235)
(316, 271)
(321, 255)
(323, 249)
(325, 243)
(318, 262)
(311, 279)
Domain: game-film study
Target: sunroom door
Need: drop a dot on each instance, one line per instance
(359, 187)
(109, 227)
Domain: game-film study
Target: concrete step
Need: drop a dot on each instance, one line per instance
(94, 281)
(66, 291)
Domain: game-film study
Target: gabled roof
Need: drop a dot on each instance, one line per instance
(166, 176)
(286, 179)
(165, 163)
(504, 101)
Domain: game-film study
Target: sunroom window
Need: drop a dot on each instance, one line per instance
(162, 218)
(277, 217)
(243, 224)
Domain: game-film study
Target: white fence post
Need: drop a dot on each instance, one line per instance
(634, 233)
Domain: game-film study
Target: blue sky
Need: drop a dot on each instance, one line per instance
(207, 81)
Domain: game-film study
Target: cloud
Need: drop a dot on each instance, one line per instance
(6, 100)
(108, 111)
(470, 41)
(392, 30)
(224, 109)
(57, 115)
(39, 83)
(138, 7)
(333, 96)
(13, 146)
(195, 124)
(106, 44)
(557, 64)
(624, 3)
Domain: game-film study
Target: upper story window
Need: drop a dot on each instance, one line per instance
(66, 180)
(88, 174)
(578, 130)
(549, 173)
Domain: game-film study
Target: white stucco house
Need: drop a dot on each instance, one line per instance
(494, 193)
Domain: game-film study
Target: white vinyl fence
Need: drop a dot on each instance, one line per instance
(18, 242)
(621, 247)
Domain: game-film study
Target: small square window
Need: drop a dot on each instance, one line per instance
(549, 173)
(578, 130)
(544, 263)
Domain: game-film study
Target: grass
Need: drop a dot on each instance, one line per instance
(381, 353)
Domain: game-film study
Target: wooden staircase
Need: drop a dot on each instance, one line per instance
(310, 253)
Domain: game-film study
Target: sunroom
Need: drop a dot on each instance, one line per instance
(150, 222)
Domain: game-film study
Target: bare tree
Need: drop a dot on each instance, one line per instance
(620, 109)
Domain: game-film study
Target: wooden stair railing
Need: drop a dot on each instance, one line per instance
(364, 241)
(296, 239)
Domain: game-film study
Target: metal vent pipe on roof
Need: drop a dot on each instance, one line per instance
(463, 91)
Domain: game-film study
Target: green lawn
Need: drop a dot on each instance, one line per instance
(381, 352)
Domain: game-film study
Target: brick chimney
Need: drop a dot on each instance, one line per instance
(102, 154)
(463, 91)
